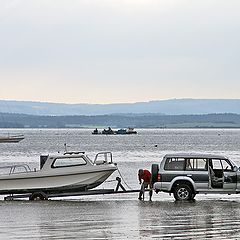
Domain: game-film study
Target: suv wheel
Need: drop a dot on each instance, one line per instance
(193, 196)
(183, 192)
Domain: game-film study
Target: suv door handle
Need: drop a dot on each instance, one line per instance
(189, 175)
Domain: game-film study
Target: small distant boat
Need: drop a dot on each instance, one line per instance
(11, 139)
(95, 132)
(109, 131)
(126, 131)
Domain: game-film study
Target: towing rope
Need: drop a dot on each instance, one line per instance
(111, 180)
(123, 179)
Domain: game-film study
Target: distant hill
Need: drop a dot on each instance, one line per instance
(162, 107)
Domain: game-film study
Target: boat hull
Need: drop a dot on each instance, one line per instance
(61, 182)
(11, 139)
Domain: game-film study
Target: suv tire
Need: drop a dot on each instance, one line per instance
(193, 196)
(183, 192)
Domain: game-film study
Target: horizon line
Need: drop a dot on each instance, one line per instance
(116, 103)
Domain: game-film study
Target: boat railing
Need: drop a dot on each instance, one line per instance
(13, 168)
(103, 158)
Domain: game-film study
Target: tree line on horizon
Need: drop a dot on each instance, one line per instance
(227, 120)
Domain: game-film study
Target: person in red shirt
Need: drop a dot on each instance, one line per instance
(144, 177)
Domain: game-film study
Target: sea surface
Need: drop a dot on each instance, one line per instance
(121, 216)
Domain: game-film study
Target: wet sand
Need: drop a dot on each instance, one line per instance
(119, 218)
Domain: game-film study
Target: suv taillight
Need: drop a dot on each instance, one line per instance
(158, 177)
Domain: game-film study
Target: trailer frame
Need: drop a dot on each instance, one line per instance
(45, 196)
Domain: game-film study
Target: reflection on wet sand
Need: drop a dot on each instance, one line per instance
(191, 220)
(122, 219)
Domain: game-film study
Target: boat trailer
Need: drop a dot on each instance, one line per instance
(43, 196)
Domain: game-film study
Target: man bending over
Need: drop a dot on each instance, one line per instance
(144, 177)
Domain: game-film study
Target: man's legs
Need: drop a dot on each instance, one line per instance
(150, 191)
(150, 194)
(142, 191)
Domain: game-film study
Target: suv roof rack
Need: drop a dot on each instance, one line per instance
(71, 153)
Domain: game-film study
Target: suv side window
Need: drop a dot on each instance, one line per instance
(226, 165)
(222, 164)
(198, 164)
(216, 164)
(174, 164)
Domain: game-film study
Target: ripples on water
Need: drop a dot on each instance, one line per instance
(122, 216)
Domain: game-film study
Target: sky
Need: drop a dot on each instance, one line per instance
(119, 51)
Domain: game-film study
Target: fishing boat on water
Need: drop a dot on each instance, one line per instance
(126, 131)
(109, 131)
(11, 138)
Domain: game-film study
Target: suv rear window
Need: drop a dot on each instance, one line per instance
(174, 164)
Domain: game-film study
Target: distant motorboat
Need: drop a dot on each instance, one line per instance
(126, 131)
(95, 132)
(108, 131)
(11, 139)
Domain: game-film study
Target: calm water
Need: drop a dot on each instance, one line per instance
(122, 216)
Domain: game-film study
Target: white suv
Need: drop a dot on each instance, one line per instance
(186, 175)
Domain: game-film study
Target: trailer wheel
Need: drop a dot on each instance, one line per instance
(155, 169)
(38, 196)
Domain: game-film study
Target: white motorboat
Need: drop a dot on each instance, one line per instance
(72, 171)
(11, 139)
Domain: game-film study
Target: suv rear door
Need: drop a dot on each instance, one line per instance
(197, 170)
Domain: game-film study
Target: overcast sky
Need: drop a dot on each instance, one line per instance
(105, 51)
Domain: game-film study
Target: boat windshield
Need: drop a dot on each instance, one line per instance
(103, 157)
(69, 162)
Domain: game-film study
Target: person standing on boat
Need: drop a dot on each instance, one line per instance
(144, 177)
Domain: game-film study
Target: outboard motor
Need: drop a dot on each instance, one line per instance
(43, 159)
